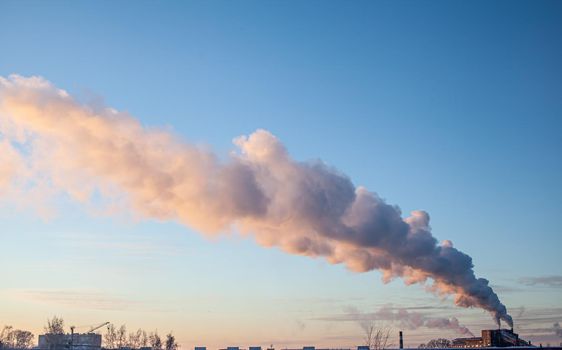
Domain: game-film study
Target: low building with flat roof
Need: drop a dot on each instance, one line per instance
(76, 341)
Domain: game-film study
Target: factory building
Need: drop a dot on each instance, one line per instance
(76, 341)
(491, 338)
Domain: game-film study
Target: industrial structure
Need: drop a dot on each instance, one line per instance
(72, 341)
(87, 341)
(491, 338)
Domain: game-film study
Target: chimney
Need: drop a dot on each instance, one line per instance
(401, 341)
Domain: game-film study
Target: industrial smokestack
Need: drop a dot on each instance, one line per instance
(401, 341)
(50, 144)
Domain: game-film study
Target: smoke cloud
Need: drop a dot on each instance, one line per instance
(51, 144)
(405, 319)
(557, 329)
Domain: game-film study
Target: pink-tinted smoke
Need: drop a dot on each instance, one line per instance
(305, 208)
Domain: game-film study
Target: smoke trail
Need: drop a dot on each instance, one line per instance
(303, 208)
(406, 319)
(448, 323)
(557, 329)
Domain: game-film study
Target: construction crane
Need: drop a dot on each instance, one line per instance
(97, 327)
(89, 331)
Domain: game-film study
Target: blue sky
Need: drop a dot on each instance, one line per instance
(447, 106)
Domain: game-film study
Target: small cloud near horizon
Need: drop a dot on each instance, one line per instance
(547, 281)
(505, 288)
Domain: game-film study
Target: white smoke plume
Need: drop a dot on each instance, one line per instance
(50, 143)
(405, 319)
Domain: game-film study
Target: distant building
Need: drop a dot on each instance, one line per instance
(76, 341)
(228, 348)
(491, 338)
(473, 342)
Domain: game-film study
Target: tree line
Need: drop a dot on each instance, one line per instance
(378, 338)
(439, 343)
(15, 338)
(116, 338)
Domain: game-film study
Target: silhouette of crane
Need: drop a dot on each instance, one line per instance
(97, 327)
(91, 330)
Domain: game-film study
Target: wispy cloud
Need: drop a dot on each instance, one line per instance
(123, 244)
(405, 318)
(548, 281)
(537, 315)
(80, 299)
(506, 289)
(555, 329)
